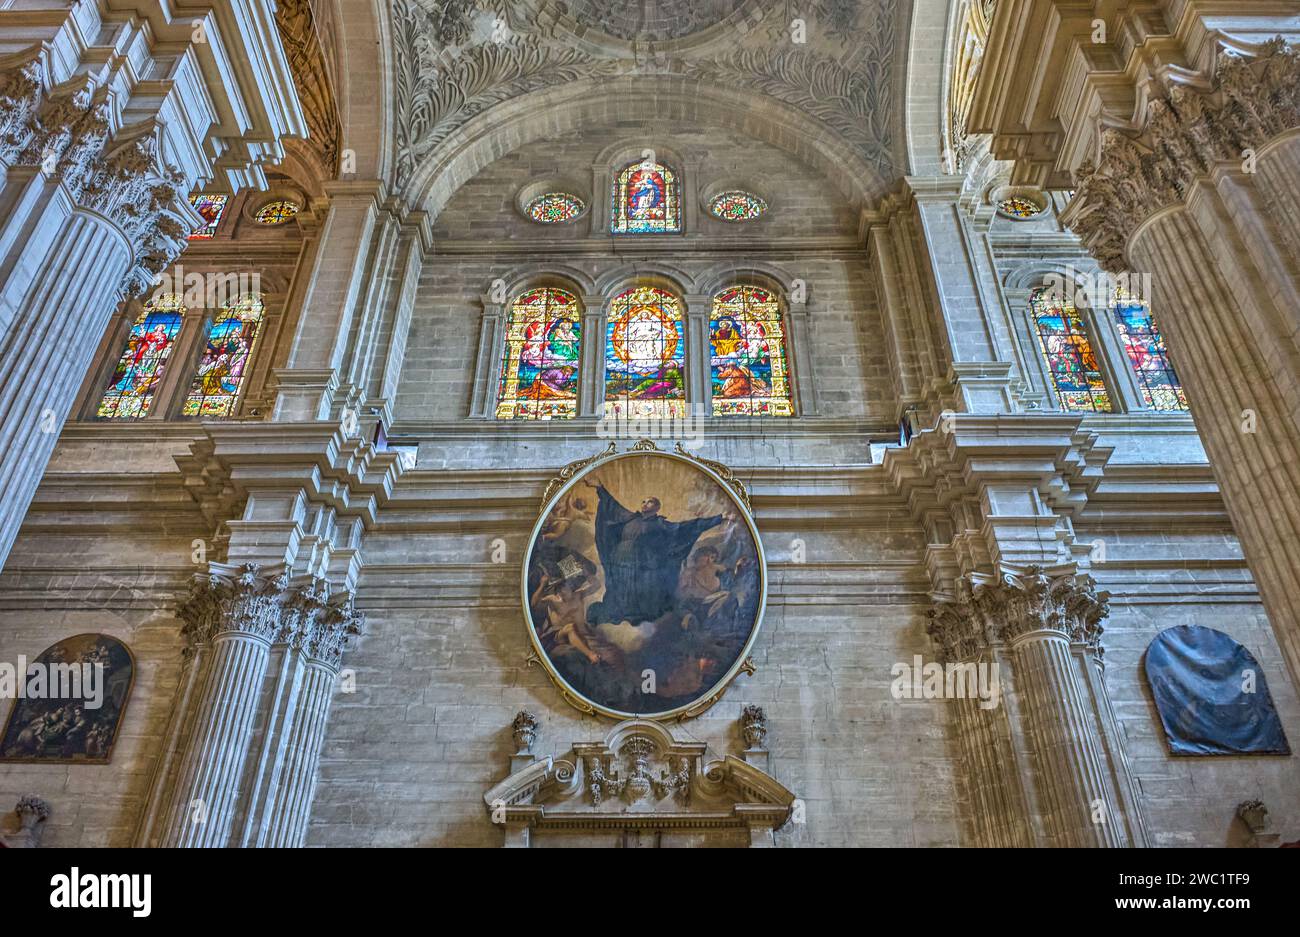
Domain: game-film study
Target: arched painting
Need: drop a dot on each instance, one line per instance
(644, 584)
(71, 704)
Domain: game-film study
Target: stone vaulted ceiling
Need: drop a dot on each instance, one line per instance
(457, 59)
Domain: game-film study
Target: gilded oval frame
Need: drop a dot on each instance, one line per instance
(734, 491)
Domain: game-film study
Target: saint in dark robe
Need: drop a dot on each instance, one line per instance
(642, 555)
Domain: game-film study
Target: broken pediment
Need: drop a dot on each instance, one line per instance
(640, 785)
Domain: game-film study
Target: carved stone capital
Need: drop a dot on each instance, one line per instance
(1035, 601)
(262, 603)
(1016, 604)
(1187, 131)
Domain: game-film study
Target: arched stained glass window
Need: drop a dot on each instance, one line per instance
(139, 370)
(1147, 353)
(1064, 343)
(646, 200)
(210, 208)
(747, 354)
(539, 373)
(644, 348)
(232, 339)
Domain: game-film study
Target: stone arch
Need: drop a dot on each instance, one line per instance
(561, 276)
(549, 112)
(655, 273)
(759, 273)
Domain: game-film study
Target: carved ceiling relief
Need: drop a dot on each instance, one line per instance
(312, 74)
(831, 59)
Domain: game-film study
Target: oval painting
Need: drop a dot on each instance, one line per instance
(644, 586)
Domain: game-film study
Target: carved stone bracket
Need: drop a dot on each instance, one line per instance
(639, 776)
(32, 812)
(1188, 130)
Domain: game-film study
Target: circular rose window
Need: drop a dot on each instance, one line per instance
(555, 208)
(277, 212)
(1017, 206)
(737, 206)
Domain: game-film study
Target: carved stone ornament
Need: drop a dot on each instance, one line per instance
(753, 726)
(524, 729)
(267, 604)
(1016, 604)
(68, 133)
(31, 812)
(639, 776)
(1188, 130)
(644, 583)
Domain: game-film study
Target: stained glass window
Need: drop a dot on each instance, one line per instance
(139, 370)
(224, 365)
(646, 200)
(1146, 351)
(555, 208)
(747, 354)
(210, 207)
(644, 349)
(1020, 207)
(539, 374)
(1063, 341)
(277, 212)
(737, 206)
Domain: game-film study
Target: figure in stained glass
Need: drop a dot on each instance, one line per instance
(539, 374)
(748, 364)
(644, 349)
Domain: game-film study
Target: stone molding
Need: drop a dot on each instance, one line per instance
(1188, 130)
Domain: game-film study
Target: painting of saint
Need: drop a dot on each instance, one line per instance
(644, 584)
(74, 697)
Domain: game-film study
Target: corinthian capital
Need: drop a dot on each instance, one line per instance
(1032, 601)
(1187, 130)
(961, 627)
(244, 600)
(335, 630)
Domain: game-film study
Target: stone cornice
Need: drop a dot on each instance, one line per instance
(329, 467)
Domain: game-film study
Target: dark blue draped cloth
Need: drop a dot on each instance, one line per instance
(1197, 677)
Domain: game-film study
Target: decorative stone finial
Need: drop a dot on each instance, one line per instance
(525, 729)
(32, 813)
(753, 725)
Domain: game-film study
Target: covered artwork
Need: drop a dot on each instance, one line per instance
(1212, 695)
(644, 585)
(51, 724)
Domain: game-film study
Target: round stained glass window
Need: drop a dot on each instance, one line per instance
(555, 208)
(1019, 207)
(277, 212)
(737, 206)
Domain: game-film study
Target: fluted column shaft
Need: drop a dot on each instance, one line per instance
(1073, 796)
(292, 806)
(207, 784)
(55, 302)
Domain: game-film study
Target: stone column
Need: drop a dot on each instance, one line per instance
(1040, 617)
(1203, 198)
(965, 638)
(94, 98)
(249, 759)
(320, 649)
(233, 620)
